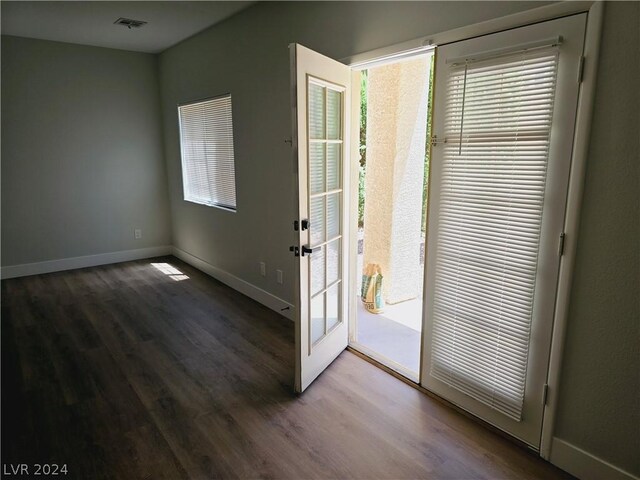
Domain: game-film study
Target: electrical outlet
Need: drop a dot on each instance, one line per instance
(137, 233)
(279, 278)
(263, 269)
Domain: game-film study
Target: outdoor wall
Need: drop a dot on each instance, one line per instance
(247, 56)
(600, 384)
(82, 160)
(397, 106)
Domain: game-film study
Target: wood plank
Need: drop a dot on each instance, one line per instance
(122, 371)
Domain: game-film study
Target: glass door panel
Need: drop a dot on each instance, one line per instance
(325, 200)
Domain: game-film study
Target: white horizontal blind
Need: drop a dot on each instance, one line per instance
(206, 138)
(497, 129)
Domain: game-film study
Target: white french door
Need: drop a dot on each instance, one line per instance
(505, 107)
(322, 98)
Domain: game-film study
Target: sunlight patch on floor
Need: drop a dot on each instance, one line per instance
(171, 271)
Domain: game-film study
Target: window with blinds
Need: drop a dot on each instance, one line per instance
(206, 140)
(497, 132)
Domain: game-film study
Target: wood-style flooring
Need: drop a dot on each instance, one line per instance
(131, 371)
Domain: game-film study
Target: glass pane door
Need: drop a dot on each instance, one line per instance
(325, 197)
(321, 87)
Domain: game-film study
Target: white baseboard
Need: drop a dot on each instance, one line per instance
(267, 299)
(584, 465)
(50, 266)
(261, 296)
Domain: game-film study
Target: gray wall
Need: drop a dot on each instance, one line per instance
(82, 158)
(600, 395)
(247, 56)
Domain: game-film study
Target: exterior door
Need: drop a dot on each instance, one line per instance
(321, 92)
(505, 107)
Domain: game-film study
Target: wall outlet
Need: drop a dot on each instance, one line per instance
(263, 269)
(279, 278)
(137, 233)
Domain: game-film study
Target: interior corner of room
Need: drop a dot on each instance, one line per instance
(361, 174)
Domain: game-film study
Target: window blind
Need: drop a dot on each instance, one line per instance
(497, 131)
(206, 139)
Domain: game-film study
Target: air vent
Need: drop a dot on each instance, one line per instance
(129, 23)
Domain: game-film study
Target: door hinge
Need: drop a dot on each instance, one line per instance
(581, 70)
(545, 393)
(561, 244)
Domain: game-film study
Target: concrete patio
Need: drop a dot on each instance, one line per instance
(394, 334)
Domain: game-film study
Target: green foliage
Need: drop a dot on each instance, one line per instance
(425, 189)
(363, 145)
(361, 198)
(363, 117)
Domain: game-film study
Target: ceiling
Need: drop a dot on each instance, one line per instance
(91, 23)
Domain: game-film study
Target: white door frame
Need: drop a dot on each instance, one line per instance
(584, 115)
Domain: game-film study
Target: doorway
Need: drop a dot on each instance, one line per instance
(393, 170)
(505, 107)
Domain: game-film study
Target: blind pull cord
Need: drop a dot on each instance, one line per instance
(464, 96)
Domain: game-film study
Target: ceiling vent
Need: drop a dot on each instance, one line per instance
(129, 23)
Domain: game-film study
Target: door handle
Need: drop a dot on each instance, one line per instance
(306, 249)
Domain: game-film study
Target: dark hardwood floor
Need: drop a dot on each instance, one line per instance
(127, 371)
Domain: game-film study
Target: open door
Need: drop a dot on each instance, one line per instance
(321, 104)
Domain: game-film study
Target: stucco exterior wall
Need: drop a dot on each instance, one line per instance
(397, 104)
